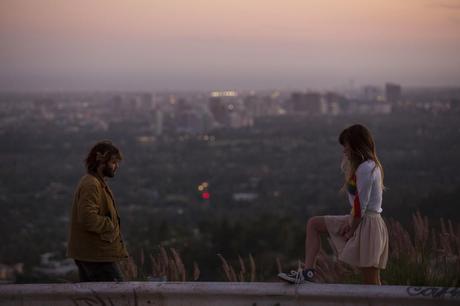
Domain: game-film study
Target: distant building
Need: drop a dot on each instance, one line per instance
(245, 196)
(393, 92)
(219, 110)
(260, 106)
(187, 118)
(305, 103)
(116, 103)
(371, 93)
(254, 106)
(146, 101)
(190, 121)
(158, 122)
(229, 110)
(334, 104)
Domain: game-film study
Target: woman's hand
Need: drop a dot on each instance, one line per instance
(348, 234)
(346, 231)
(345, 228)
(350, 229)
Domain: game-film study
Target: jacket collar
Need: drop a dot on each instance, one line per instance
(100, 179)
(103, 183)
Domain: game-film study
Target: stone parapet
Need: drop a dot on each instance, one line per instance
(222, 294)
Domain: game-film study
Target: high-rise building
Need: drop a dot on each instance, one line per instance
(393, 92)
(306, 103)
(219, 110)
(370, 92)
(146, 101)
(335, 103)
(158, 122)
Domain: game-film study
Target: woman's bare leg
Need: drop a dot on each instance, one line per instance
(371, 276)
(315, 226)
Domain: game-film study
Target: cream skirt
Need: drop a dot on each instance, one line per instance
(369, 245)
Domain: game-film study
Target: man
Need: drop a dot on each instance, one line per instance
(95, 240)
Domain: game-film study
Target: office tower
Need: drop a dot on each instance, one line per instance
(305, 103)
(393, 92)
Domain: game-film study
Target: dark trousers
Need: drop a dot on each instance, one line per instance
(99, 271)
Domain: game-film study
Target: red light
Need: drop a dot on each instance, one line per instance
(206, 195)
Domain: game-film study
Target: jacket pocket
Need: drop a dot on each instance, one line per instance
(107, 236)
(110, 236)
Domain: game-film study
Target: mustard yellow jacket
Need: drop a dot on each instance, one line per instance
(94, 233)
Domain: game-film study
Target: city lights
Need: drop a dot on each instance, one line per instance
(204, 192)
(228, 93)
(206, 195)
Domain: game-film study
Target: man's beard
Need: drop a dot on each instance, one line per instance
(107, 171)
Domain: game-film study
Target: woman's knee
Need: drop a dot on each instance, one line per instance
(316, 223)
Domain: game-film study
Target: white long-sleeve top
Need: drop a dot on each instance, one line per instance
(367, 194)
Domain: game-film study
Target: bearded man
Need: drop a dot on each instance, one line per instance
(95, 240)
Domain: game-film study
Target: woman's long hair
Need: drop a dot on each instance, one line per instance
(362, 148)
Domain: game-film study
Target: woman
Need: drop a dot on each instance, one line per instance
(360, 238)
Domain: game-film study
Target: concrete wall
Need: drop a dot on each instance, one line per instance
(222, 294)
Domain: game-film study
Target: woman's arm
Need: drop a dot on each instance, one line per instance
(364, 179)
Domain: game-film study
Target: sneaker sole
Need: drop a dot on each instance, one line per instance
(290, 280)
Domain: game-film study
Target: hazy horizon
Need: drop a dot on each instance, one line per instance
(206, 45)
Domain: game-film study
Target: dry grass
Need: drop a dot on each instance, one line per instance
(243, 275)
(129, 269)
(422, 256)
(171, 267)
(426, 255)
(165, 267)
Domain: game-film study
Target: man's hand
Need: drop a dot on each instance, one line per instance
(110, 236)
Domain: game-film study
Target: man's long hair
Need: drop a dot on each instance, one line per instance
(101, 153)
(362, 148)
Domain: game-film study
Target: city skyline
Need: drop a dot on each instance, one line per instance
(153, 45)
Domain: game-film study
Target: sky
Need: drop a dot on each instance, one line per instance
(227, 44)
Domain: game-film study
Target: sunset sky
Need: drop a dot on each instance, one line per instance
(221, 44)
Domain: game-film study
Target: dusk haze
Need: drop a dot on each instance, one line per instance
(209, 44)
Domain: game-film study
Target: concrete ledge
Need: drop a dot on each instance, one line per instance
(235, 294)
